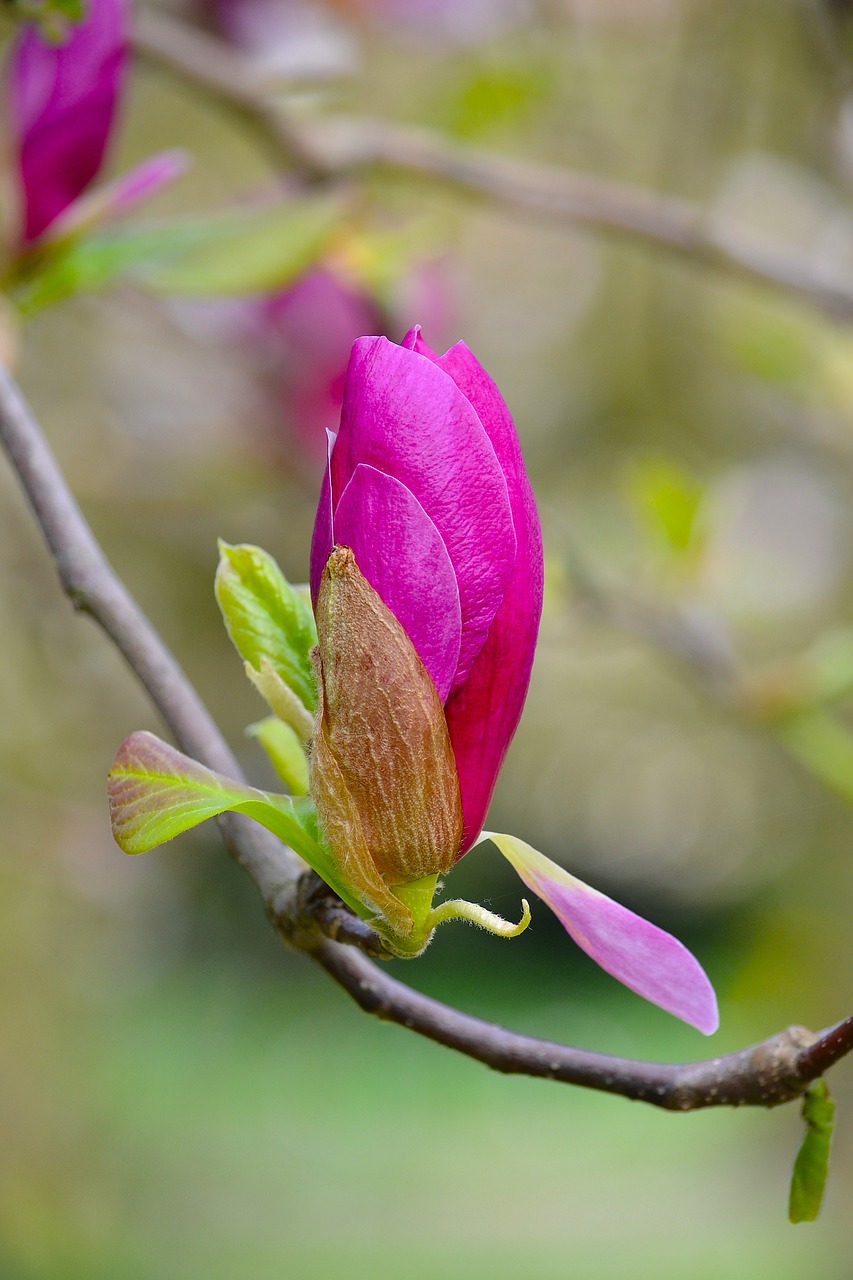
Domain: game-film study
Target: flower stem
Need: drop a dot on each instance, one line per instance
(458, 909)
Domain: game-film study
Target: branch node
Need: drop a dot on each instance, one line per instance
(763, 1075)
(316, 911)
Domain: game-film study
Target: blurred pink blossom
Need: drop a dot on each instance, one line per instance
(307, 332)
(62, 103)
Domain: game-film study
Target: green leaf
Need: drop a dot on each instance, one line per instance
(823, 745)
(779, 344)
(285, 750)
(497, 94)
(156, 793)
(827, 668)
(72, 9)
(267, 618)
(253, 256)
(231, 253)
(280, 698)
(93, 263)
(812, 1162)
(667, 498)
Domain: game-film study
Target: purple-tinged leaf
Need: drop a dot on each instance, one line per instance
(156, 793)
(636, 952)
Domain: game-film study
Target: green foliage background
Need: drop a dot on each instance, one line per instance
(179, 1098)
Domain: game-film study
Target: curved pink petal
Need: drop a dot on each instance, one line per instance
(111, 201)
(484, 714)
(405, 416)
(62, 102)
(636, 952)
(323, 537)
(409, 568)
(145, 180)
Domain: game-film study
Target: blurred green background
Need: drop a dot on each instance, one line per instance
(179, 1097)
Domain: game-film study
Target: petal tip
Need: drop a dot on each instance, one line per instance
(708, 1019)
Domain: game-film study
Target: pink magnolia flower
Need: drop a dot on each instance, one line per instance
(426, 485)
(426, 576)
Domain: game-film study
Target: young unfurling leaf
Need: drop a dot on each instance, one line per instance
(812, 1163)
(267, 619)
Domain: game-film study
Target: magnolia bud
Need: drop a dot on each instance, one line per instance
(383, 774)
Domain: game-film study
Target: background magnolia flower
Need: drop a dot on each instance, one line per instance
(63, 100)
(305, 333)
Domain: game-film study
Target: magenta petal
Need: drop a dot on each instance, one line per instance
(484, 714)
(637, 953)
(62, 102)
(113, 200)
(409, 568)
(145, 180)
(323, 538)
(405, 416)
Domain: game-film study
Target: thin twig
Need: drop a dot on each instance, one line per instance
(335, 148)
(766, 1074)
(230, 79)
(93, 587)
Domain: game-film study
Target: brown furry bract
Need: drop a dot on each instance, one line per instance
(383, 774)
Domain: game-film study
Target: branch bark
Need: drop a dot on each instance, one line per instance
(321, 150)
(767, 1074)
(93, 587)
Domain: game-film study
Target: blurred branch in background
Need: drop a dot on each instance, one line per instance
(794, 701)
(331, 149)
(231, 78)
(775, 1071)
